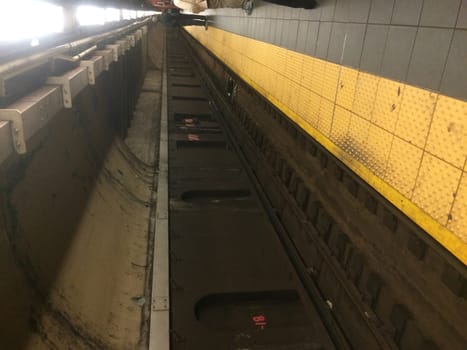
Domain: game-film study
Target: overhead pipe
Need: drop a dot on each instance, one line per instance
(44, 56)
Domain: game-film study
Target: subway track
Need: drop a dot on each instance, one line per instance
(232, 284)
(254, 199)
(374, 279)
(389, 285)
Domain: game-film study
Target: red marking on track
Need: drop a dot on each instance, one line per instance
(260, 321)
(193, 137)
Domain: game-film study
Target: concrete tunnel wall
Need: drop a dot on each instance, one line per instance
(74, 217)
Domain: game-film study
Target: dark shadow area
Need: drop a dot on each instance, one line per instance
(202, 196)
(200, 144)
(189, 98)
(251, 311)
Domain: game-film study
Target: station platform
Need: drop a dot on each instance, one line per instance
(377, 83)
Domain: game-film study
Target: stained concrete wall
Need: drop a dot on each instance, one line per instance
(74, 218)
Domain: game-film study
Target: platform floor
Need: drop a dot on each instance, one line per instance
(378, 83)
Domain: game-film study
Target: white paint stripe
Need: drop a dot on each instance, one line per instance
(159, 336)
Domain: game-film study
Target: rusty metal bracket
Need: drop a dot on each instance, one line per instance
(72, 83)
(107, 56)
(138, 34)
(6, 144)
(132, 39)
(17, 129)
(95, 68)
(30, 114)
(116, 51)
(124, 43)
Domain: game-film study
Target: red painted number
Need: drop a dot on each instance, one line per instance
(193, 137)
(260, 321)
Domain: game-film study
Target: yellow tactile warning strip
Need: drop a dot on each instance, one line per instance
(408, 143)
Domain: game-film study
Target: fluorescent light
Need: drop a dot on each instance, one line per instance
(29, 19)
(112, 15)
(90, 15)
(149, 13)
(35, 42)
(126, 14)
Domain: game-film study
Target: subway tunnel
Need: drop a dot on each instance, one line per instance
(291, 179)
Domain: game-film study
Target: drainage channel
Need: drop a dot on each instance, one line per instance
(232, 286)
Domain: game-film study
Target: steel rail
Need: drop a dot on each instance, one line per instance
(328, 319)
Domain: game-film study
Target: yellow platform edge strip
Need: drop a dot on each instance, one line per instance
(444, 236)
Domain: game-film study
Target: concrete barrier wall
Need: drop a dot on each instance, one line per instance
(74, 221)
